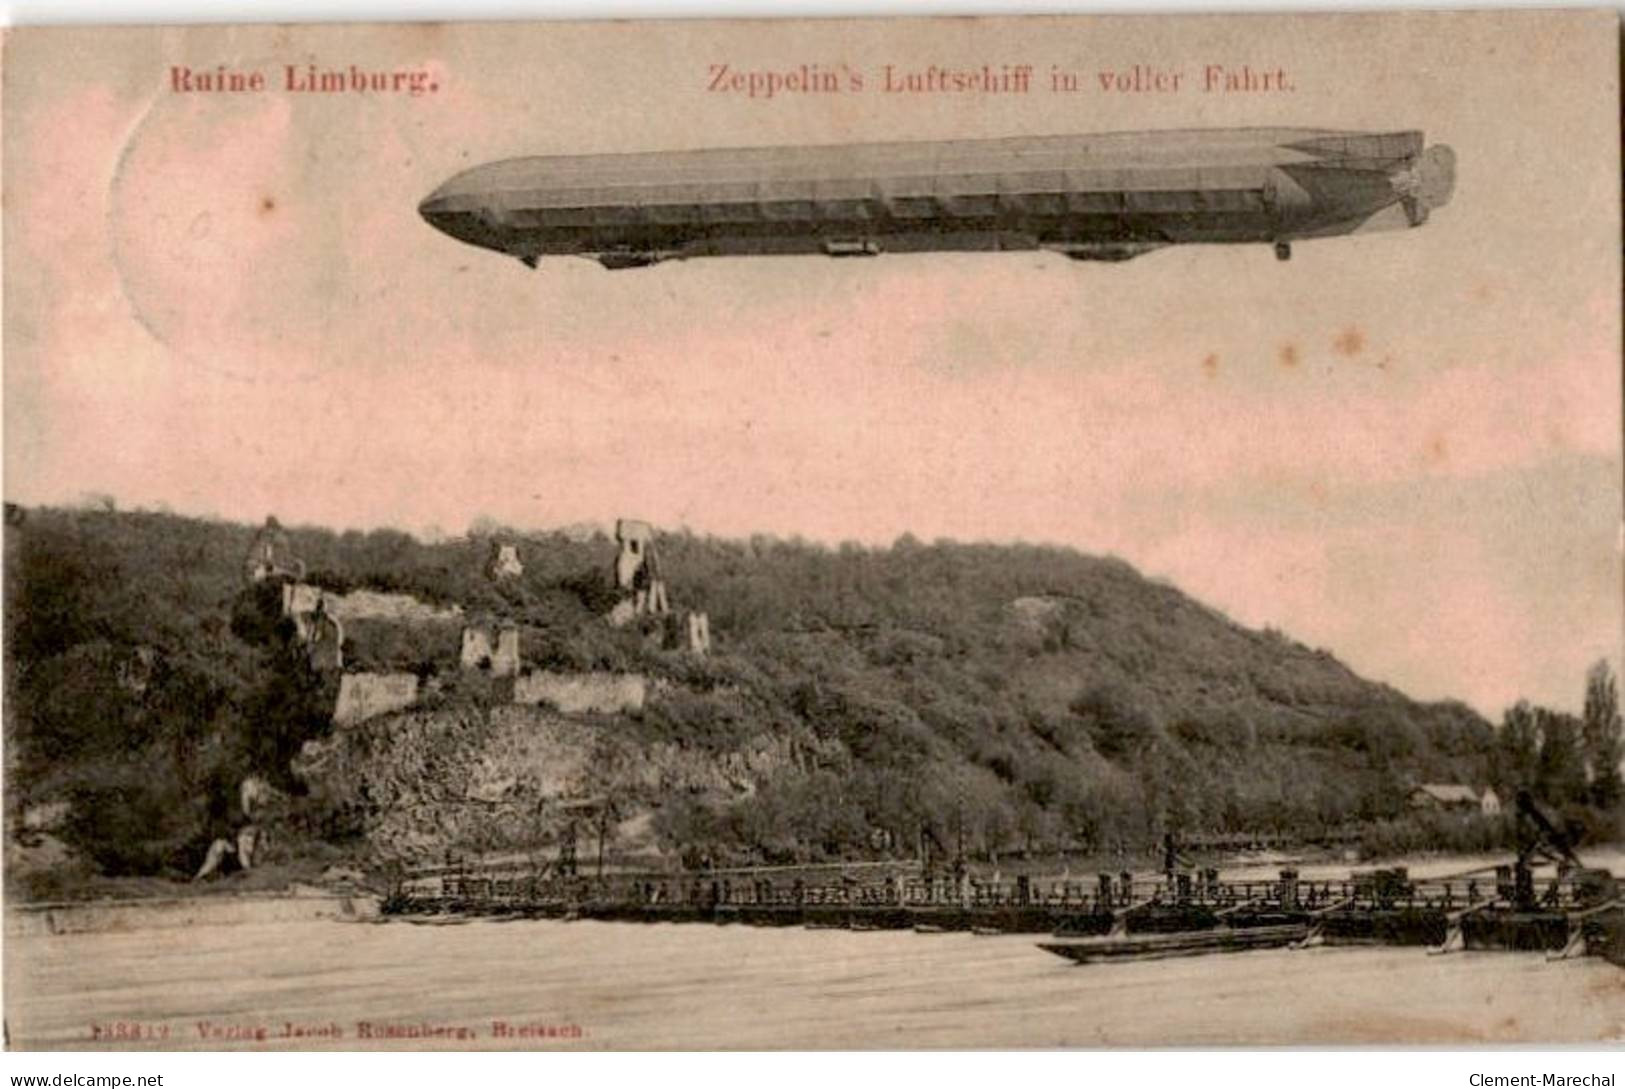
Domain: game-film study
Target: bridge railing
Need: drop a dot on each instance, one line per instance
(513, 880)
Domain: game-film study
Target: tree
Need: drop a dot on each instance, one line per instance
(1119, 727)
(1560, 776)
(1517, 746)
(1602, 735)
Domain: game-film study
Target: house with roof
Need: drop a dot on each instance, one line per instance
(1453, 798)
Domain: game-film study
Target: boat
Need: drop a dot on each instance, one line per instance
(1181, 944)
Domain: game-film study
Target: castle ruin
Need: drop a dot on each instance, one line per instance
(643, 593)
(637, 570)
(270, 555)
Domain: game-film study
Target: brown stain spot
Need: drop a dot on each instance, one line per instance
(267, 205)
(1210, 365)
(1385, 362)
(1350, 342)
(1288, 355)
(1438, 450)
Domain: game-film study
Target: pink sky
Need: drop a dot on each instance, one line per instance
(1402, 447)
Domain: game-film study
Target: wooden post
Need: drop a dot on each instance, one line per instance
(600, 849)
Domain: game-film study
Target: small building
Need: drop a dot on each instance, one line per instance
(1453, 798)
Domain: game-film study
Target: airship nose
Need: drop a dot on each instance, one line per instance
(462, 206)
(438, 209)
(485, 207)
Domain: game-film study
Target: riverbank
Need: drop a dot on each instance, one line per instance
(166, 913)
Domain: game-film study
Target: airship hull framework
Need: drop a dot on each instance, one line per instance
(1105, 197)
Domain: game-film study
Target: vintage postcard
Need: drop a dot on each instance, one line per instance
(847, 534)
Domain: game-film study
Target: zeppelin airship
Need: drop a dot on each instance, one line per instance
(1103, 197)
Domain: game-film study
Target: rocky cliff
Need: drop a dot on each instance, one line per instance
(426, 782)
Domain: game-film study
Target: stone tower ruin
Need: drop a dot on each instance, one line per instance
(637, 569)
(504, 562)
(271, 556)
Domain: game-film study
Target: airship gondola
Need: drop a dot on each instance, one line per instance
(1103, 197)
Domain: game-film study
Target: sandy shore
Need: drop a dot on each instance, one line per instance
(225, 909)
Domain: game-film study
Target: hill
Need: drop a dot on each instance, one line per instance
(1013, 697)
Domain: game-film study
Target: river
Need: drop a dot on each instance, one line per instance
(395, 984)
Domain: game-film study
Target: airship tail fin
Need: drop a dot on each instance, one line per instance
(1427, 183)
(1436, 176)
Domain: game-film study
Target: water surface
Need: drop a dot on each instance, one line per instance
(662, 986)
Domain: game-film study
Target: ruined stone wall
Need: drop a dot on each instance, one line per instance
(496, 652)
(505, 663)
(699, 633)
(583, 693)
(368, 695)
(1035, 612)
(324, 641)
(300, 599)
(372, 605)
